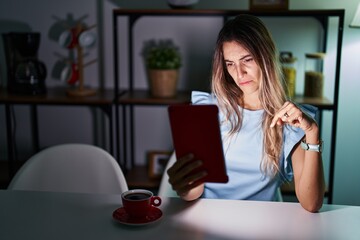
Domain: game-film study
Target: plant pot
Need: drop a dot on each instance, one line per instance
(163, 83)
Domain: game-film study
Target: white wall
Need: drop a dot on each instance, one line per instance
(55, 122)
(56, 126)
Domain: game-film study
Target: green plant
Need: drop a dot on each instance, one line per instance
(162, 54)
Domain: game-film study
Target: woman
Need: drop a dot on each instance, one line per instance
(262, 132)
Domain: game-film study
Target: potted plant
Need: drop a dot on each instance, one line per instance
(162, 60)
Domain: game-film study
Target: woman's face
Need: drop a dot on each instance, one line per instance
(242, 67)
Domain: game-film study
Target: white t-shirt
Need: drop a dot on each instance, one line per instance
(243, 154)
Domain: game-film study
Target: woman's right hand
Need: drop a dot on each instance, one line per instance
(185, 180)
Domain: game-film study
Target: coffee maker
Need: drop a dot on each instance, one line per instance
(25, 73)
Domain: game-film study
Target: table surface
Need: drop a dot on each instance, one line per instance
(46, 215)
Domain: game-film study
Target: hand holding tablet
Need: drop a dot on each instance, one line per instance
(195, 129)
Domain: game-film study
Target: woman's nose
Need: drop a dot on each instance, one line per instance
(240, 71)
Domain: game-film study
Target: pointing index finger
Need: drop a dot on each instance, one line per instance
(280, 114)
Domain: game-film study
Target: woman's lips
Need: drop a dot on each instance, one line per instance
(245, 83)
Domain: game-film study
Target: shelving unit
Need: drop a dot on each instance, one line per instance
(55, 96)
(126, 99)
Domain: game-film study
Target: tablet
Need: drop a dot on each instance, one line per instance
(195, 129)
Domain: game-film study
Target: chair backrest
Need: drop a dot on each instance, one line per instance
(165, 189)
(71, 168)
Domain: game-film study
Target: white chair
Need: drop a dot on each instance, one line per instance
(78, 168)
(165, 189)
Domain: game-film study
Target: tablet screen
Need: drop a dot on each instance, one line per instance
(195, 129)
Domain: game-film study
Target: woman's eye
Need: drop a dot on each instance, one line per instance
(229, 64)
(246, 60)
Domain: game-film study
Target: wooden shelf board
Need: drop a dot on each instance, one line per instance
(143, 97)
(322, 103)
(58, 95)
(226, 12)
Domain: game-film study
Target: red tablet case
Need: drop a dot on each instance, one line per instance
(195, 129)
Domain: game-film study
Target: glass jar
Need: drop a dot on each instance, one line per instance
(314, 77)
(289, 70)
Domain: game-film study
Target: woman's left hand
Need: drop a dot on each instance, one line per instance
(291, 114)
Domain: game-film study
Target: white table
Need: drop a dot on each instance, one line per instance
(44, 215)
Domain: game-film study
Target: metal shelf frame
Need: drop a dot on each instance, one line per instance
(128, 104)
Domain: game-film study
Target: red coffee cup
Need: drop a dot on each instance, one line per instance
(138, 202)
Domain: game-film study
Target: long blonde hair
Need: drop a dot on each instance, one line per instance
(251, 33)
